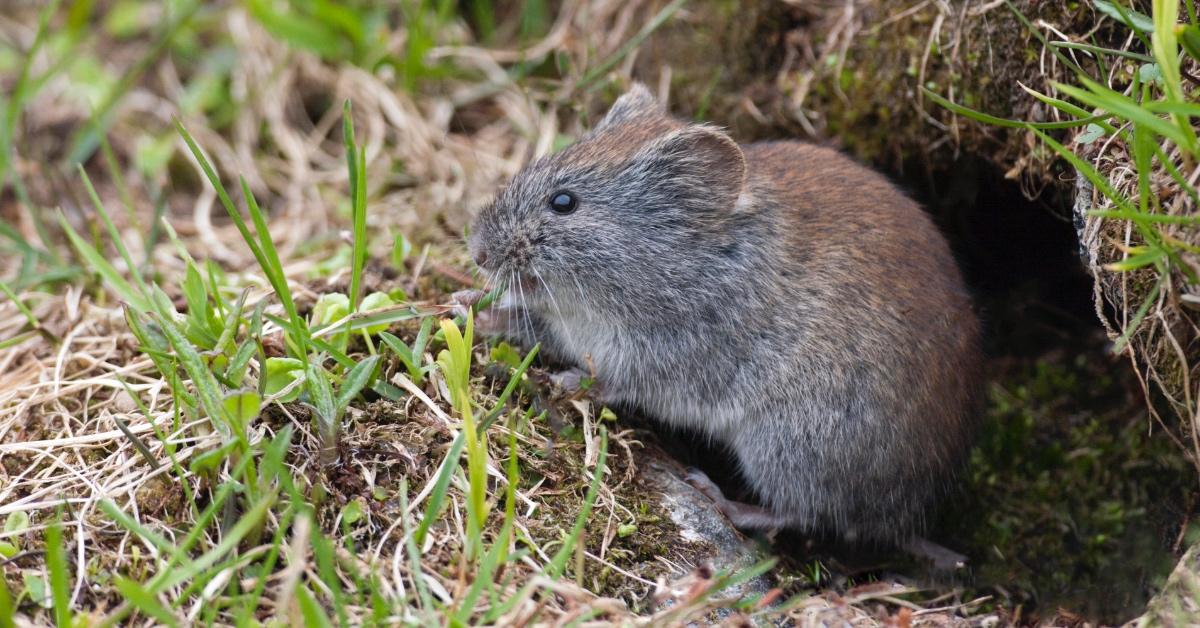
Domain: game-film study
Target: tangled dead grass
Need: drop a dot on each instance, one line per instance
(1162, 345)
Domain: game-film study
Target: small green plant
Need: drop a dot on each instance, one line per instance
(455, 364)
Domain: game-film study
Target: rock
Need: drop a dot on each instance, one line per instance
(1179, 602)
(715, 542)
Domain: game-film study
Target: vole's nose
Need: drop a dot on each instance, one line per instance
(480, 256)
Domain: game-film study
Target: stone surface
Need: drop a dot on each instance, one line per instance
(1179, 602)
(715, 542)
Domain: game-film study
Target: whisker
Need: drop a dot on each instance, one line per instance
(554, 302)
(525, 309)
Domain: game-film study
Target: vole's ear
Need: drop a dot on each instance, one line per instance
(635, 103)
(702, 160)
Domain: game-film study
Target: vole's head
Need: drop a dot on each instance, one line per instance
(634, 206)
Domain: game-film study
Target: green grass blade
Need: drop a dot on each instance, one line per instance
(433, 507)
(356, 165)
(6, 606)
(56, 564)
(1070, 109)
(356, 380)
(1135, 20)
(184, 573)
(1167, 106)
(509, 388)
(1122, 106)
(144, 601)
(1141, 260)
(1102, 51)
(21, 307)
(1139, 315)
(1169, 219)
(113, 234)
(265, 255)
(979, 116)
(207, 389)
(657, 21)
(559, 562)
(273, 266)
(1037, 34)
(314, 615)
(424, 599)
(104, 268)
(1088, 171)
(323, 552)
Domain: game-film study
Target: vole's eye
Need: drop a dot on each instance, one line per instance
(563, 202)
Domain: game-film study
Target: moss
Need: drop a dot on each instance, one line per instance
(872, 108)
(1070, 501)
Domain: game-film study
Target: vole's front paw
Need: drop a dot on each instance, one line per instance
(490, 322)
(464, 299)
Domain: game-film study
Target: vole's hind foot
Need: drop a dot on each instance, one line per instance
(743, 516)
(943, 559)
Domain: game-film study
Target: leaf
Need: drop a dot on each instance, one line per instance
(101, 266)
(207, 462)
(6, 606)
(1189, 38)
(356, 380)
(236, 371)
(399, 348)
(263, 248)
(559, 562)
(1135, 262)
(16, 522)
(1118, 104)
(441, 484)
(1150, 72)
(144, 601)
(251, 520)
(352, 512)
(314, 616)
(242, 406)
(1090, 134)
(56, 564)
(376, 301)
(1127, 16)
(280, 373)
(401, 248)
(330, 308)
(300, 31)
(35, 588)
(504, 353)
(325, 415)
(979, 116)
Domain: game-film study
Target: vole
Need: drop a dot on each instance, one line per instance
(777, 297)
